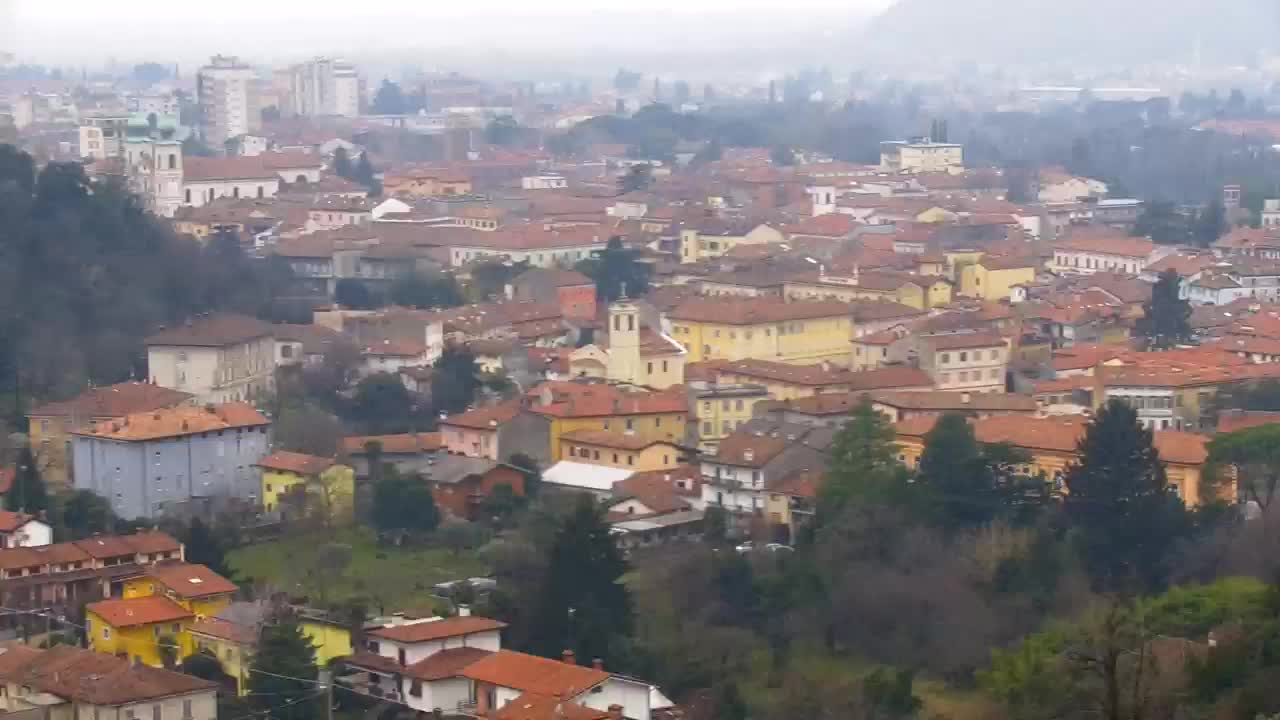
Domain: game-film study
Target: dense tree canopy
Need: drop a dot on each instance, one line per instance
(1166, 317)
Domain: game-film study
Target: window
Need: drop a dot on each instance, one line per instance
(130, 715)
(946, 358)
(726, 426)
(664, 366)
(737, 405)
(155, 712)
(615, 458)
(595, 455)
(631, 459)
(631, 424)
(964, 357)
(261, 191)
(706, 428)
(650, 368)
(415, 688)
(106, 633)
(706, 406)
(724, 404)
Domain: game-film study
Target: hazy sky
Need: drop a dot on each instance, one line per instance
(87, 31)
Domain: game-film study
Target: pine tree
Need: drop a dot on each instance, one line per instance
(863, 467)
(364, 173)
(28, 493)
(1166, 319)
(456, 380)
(960, 486)
(342, 163)
(583, 605)
(1118, 503)
(282, 677)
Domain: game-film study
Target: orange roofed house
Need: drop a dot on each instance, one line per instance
(1052, 443)
(148, 464)
(457, 665)
(569, 406)
(50, 425)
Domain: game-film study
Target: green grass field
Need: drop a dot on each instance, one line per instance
(392, 579)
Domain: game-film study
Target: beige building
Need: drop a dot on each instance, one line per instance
(714, 238)
(973, 362)
(630, 354)
(921, 156)
(217, 358)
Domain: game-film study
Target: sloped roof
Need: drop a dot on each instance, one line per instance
(93, 678)
(425, 631)
(113, 401)
(755, 311)
(130, 612)
(191, 580)
(530, 673)
(214, 330)
(173, 422)
(295, 462)
(445, 663)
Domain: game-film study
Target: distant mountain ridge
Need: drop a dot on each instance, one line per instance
(1101, 31)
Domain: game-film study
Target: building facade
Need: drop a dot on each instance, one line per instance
(227, 91)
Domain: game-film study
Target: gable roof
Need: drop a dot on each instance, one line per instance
(402, 443)
(93, 678)
(295, 462)
(534, 706)
(130, 612)
(614, 440)
(174, 422)
(113, 401)
(484, 418)
(190, 580)
(213, 330)
(12, 521)
(445, 663)
(1105, 242)
(530, 673)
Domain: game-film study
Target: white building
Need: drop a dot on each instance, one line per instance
(1271, 214)
(325, 86)
(228, 94)
(920, 156)
(1060, 187)
(1092, 250)
(22, 530)
(102, 136)
(155, 171)
(218, 358)
(544, 182)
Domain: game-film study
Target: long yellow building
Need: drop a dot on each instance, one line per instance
(764, 329)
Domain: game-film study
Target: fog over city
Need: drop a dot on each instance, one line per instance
(648, 360)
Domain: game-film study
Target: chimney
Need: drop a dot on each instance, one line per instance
(615, 712)
(568, 657)
(597, 663)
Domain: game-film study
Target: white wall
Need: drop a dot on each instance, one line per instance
(633, 696)
(33, 534)
(197, 193)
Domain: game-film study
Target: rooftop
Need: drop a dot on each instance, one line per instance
(436, 629)
(191, 581)
(756, 311)
(174, 422)
(93, 678)
(295, 462)
(530, 673)
(130, 612)
(113, 401)
(214, 330)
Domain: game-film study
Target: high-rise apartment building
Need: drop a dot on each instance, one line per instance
(228, 93)
(325, 86)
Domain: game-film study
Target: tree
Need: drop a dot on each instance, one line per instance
(84, 513)
(342, 163)
(456, 380)
(503, 131)
(637, 177)
(1118, 504)
(489, 279)
(532, 473)
(403, 503)
(27, 493)
(782, 156)
(962, 485)
(282, 676)
(389, 100)
(426, 292)
(459, 534)
(382, 404)
(583, 605)
(1255, 455)
(617, 272)
(863, 467)
(1161, 221)
(1210, 224)
(204, 665)
(366, 175)
(150, 73)
(1166, 318)
(353, 294)
(302, 427)
(205, 547)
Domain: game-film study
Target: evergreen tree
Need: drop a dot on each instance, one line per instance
(282, 677)
(637, 177)
(27, 493)
(342, 163)
(456, 380)
(1118, 503)
(1166, 318)
(84, 513)
(1210, 224)
(389, 100)
(960, 487)
(204, 547)
(532, 473)
(583, 605)
(365, 174)
(616, 272)
(863, 466)
(403, 503)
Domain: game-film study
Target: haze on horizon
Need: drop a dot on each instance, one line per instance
(72, 32)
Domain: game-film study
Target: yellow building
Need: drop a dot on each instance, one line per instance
(791, 499)
(620, 450)
(329, 486)
(49, 426)
(715, 238)
(1051, 445)
(330, 638)
(231, 643)
(196, 588)
(920, 292)
(630, 354)
(719, 409)
(570, 406)
(150, 629)
(764, 329)
(993, 278)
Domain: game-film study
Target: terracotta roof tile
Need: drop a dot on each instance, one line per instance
(191, 581)
(484, 418)
(1233, 420)
(1105, 241)
(295, 462)
(130, 612)
(11, 521)
(173, 422)
(436, 629)
(113, 401)
(963, 341)
(941, 401)
(747, 449)
(404, 443)
(609, 439)
(534, 706)
(94, 678)
(216, 330)
(530, 673)
(445, 663)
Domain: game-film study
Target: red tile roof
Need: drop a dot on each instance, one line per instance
(964, 341)
(113, 401)
(173, 422)
(530, 673)
(609, 439)
(93, 678)
(488, 417)
(295, 462)
(424, 631)
(130, 612)
(1105, 241)
(215, 330)
(403, 443)
(12, 521)
(445, 663)
(570, 399)
(533, 706)
(191, 581)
